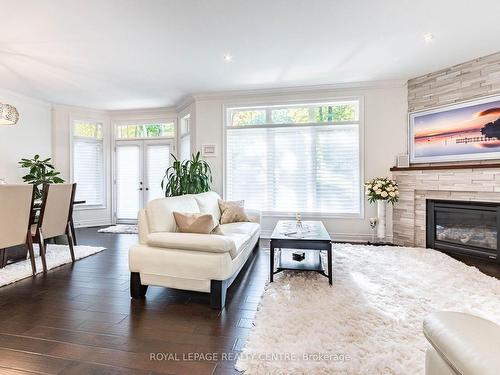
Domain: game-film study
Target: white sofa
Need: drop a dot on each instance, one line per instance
(199, 262)
(461, 344)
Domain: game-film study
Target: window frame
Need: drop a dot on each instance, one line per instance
(105, 159)
(268, 104)
(153, 120)
(186, 119)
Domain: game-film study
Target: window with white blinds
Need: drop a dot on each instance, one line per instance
(286, 159)
(88, 162)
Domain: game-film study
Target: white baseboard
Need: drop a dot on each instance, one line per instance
(92, 223)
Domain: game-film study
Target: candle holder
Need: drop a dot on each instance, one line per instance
(373, 225)
(298, 223)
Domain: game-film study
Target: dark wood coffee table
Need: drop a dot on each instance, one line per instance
(313, 240)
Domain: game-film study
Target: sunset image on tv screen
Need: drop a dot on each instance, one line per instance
(461, 131)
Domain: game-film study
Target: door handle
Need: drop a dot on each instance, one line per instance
(140, 189)
(147, 189)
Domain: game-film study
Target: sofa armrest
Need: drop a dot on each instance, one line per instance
(192, 241)
(253, 215)
(467, 343)
(143, 226)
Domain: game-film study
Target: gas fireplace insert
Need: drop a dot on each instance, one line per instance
(464, 227)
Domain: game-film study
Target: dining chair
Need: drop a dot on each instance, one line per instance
(16, 214)
(55, 217)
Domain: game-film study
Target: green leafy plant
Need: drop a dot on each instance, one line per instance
(40, 171)
(187, 177)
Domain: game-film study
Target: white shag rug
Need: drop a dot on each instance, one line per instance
(56, 256)
(120, 229)
(370, 320)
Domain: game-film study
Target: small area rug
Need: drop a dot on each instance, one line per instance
(370, 320)
(120, 229)
(56, 256)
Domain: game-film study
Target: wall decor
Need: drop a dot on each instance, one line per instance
(464, 131)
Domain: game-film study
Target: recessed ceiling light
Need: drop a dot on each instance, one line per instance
(228, 57)
(428, 37)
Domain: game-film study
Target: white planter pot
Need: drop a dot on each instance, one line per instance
(381, 213)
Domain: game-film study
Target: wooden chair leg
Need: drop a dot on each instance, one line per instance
(3, 257)
(69, 234)
(73, 234)
(29, 245)
(39, 247)
(41, 242)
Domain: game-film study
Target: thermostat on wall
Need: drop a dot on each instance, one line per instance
(208, 150)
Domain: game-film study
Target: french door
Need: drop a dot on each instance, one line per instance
(139, 169)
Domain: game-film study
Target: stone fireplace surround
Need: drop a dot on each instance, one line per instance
(471, 182)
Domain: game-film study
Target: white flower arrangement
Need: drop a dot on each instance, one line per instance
(382, 188)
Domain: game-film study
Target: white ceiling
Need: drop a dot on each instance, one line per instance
(117, 54)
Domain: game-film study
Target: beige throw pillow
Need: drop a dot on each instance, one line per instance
(196, 223)
(232, 212)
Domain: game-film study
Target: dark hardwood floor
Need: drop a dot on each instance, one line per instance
(489, 268)
(79, 319)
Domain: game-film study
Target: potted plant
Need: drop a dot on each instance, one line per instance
(41, 171)
(382, 190)
(187, 177)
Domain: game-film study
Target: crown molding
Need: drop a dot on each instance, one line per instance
(215, 95)
(13, 96)
(143, 112)
(298, 90)
(185, 102)
(77, 109)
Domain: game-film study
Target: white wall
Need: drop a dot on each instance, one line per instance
(30, 136)
(385, 114)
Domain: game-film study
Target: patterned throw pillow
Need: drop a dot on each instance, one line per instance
(196, 223)
(232, 212)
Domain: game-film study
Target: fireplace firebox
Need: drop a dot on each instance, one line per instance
(464, 227)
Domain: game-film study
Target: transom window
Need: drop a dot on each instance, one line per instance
(86, 129)
(295, 158)
(347, 111)
(152, 130)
